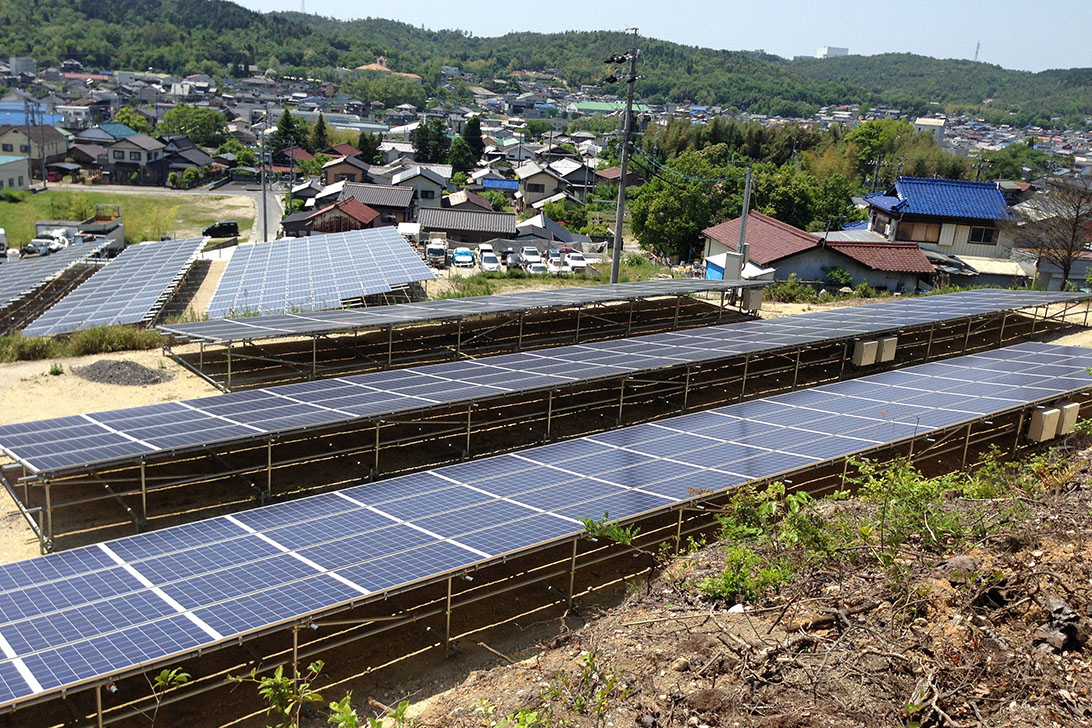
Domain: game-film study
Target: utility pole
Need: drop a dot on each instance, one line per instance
(616, 249)
(265, 208)
(743, 248)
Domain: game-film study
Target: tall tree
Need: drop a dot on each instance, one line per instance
(1058, 223)
(290, 131)
(133, 119)
(368, 144)
(430, 142)
(472, 135)
(460, 156)
(205, 127)
(319, 139)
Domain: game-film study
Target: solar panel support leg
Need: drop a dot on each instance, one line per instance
(572, 575)
(296, 651)
(720, 311)
(390, 346)
(629, 321)
(746, 366)
(228, 383)
(1015, 441)
(1034, 318)
(98, 706)
(549, 413)
(929, 346)
(268, 494)
(576, 338)
(1087, 305)
(1004, 320)
(469, 413)
(967, 336)
(966, 447)
(621, 399)
(678, 533)
(459, 340)
(201, 356)
(143, 496)
(48, 517)
(314, 357)
(796, 369)
(375, 462)
(447, 619)
(519, 337)
(675, 320)
(686, 390)
(845, 355)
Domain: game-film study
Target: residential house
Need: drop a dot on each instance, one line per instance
(105, 133)
(542, 227)
(291, 156)
(14, 172)
(138, 159)
(467, 226)
(349, 169)
(1050, 275)
(428, 186)
(392, 151)
(394, 204)
(579, 178)
(385, 174)
(791, 251)
(537, 183)
(182, 154)
(954, 217)
(342, 216)
(89, 156)
(342, 150)
(611, 175)
(43, 139)
(466, 200)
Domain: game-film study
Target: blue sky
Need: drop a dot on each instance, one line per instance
(1014, 34)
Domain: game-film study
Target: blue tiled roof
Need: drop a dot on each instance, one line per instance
(500, 184)
(862, 225)
(944, 198)
(117, 129)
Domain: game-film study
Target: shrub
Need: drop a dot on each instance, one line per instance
(791, 291)
(105, 339)
(56, 369)
(864, 290)
(838, 276)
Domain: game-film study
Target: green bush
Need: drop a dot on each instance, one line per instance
(746, 576)
(864, 290)
(791, 291)
(105, 339)
(838, 276)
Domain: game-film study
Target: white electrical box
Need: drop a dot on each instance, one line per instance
(752, 298)
(1070, 412)
(887, 348)
(1044, 423)
(864, 353)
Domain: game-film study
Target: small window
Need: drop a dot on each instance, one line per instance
(24, 148)
(918, 232)
(118, 154)
(153, 156)
(20, 180)
(11, 181)
(7, 147)
(134, 156)
(983, 235)
(428, 194)
(536, 188)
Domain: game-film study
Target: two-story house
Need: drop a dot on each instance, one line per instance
(33, 142)
(537, 183)
(427, 185)
(954, 217)
(137, 159)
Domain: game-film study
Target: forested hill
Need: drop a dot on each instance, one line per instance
(219, 37)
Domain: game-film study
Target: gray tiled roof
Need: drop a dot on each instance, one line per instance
(378, 195)
(503, 223)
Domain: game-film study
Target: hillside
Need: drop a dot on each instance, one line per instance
(215, 36)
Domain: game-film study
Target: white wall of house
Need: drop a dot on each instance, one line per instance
(539, 186)
(14, 173)
(809, 264)
(428, 193)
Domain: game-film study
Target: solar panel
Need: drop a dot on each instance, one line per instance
(315, 273)
(127, 291)
(94, 611)
(293, 324)
(20, 277)
(68, 444)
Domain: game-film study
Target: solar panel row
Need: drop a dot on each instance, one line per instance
(74, 443)
(95, 611)
(126, 291)
(314, 273)
(20, 277)
(256, 327)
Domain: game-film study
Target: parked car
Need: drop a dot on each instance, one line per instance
(53, 176)
(537, 269)
(529, 254)
(436, 253)
(222, 229)
(551, 254)
(485, 248)
(558, 267)
(489, 262)
(462, 258)
(510, 258)
(576, 262)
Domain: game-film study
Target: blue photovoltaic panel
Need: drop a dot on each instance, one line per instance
(20, 277)
(315, 273)
(127, 291)
(99, 611)
(72, 443)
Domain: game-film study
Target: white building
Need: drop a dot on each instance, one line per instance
(14, 172)
(932, 125)
(831, 52)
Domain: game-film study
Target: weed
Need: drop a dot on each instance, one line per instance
(56, 369)
(746, 576)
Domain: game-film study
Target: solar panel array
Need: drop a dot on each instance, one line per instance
(96, 611)
(127, 291)
(310, 274)
(78, 442)
(295, 324)
(20, 277)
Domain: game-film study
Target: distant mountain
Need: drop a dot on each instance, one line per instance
(219, 37)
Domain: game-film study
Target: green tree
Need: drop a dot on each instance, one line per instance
(312, 167)
(205, 127)
(472, 135)
(133, 119)
(536, 128)
(319, 139)
(430, 141)
(496, 198)
(291, 130)
(368, 144)
(460, 156)
(245, 157)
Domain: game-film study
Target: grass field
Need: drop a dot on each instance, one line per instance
(147, 216)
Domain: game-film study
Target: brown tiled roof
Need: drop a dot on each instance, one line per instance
(887, 257)
(343, 150)
(353, 208)
(770, 239)
(464, 196)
